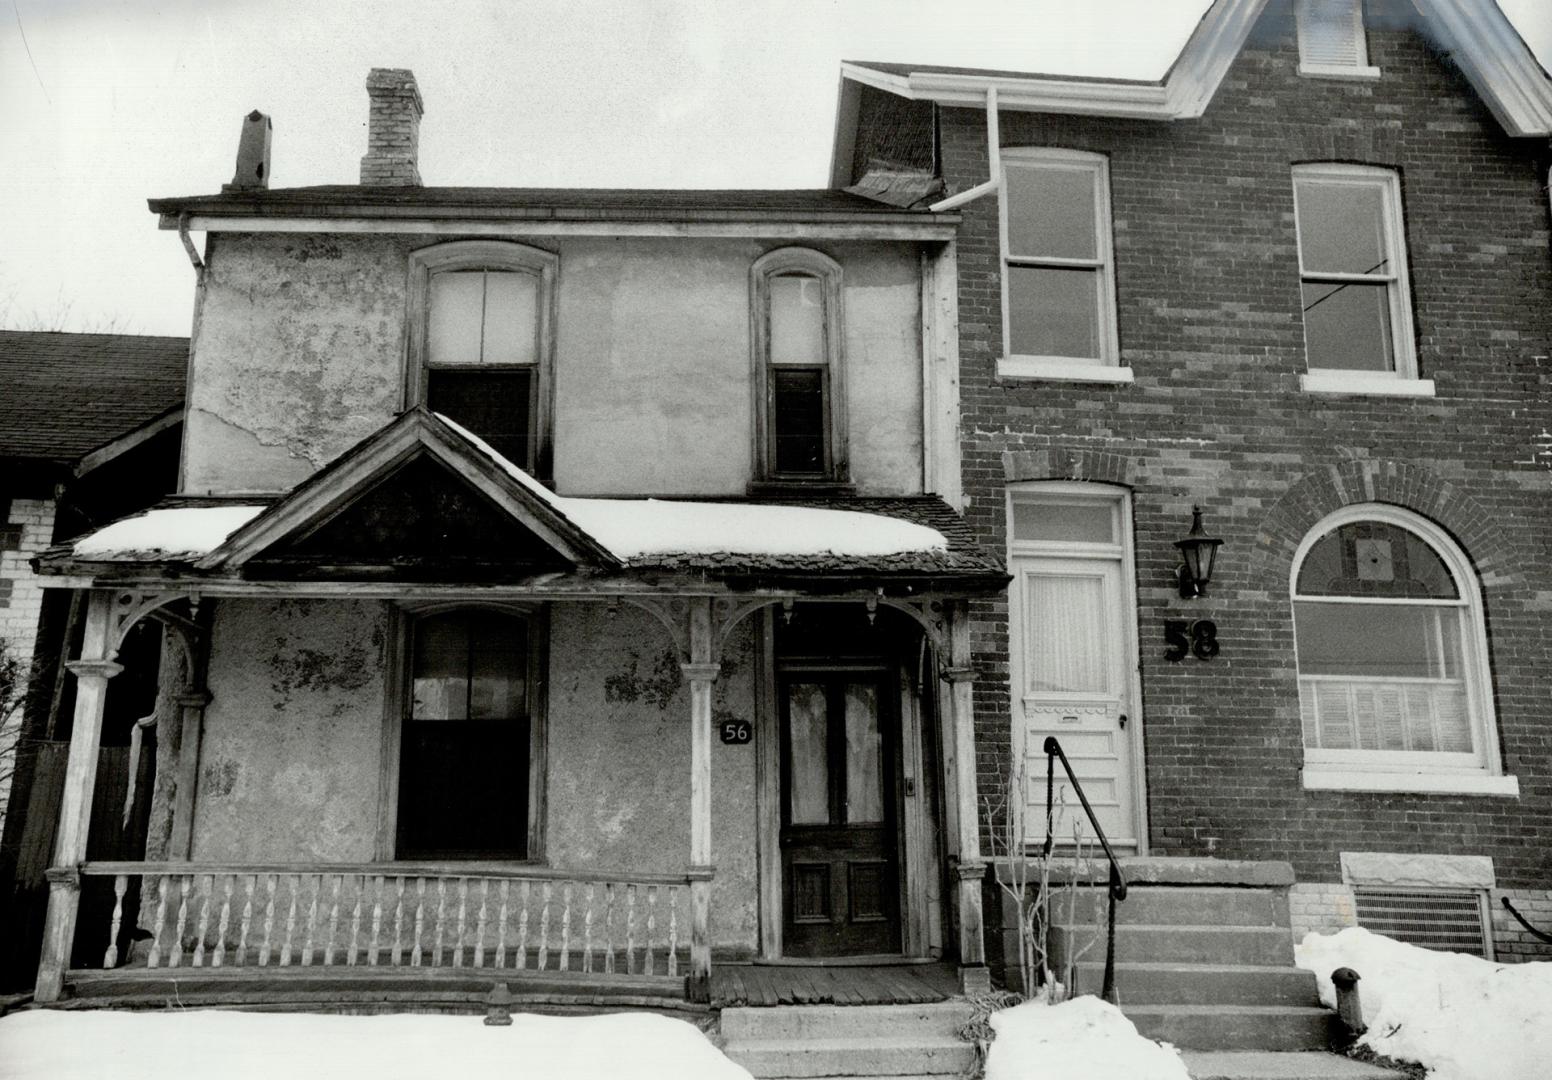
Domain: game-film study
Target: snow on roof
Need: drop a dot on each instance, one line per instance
(178, 533)
(88, 1045)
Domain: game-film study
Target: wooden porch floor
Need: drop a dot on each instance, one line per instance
(781, 984)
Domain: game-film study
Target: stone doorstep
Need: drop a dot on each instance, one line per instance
(1160, 870)
(1256, 1065)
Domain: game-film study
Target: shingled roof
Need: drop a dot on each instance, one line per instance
(69, 394)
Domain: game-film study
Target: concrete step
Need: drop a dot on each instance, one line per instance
(1297, 1065)
(1176, 905)
(794, 1022)
(1263, 945)
(925, 1055)
(1201, 984)
(1235, 1027)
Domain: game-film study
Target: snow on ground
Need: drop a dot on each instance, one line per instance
(175, 1044)
(1083, 1038)
(181, 532)
(1463, 1017)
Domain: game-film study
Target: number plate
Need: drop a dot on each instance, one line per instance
(736, 732)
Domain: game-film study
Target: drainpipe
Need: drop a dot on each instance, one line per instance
(993, 161)
(188, 245)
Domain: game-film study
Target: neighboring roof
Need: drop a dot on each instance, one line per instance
(67, 395)
(1476, 33)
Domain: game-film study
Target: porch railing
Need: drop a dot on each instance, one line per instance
(391, 916)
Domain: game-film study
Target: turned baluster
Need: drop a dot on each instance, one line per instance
(463, 906)
(175, 954)
(436, 954)
(334, 895)
(111, 957)
(312, 921)
(587, 931)
(219, 956)
(420, 920)
(647, 963)
(501, 926)
(155, 955)
(673, 930)
(204, 921)
(355, 922)
(522, 931)
(479, 926)
(285, 945)
(245, 921)
(565, 927)
(544, 929)
(398, 924)
(609, 928)
(269, 918)
(374, 948)
(630, 929)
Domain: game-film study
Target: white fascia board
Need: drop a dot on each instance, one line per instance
(1136, 101)
(1498, 62)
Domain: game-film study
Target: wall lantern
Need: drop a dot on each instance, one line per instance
(1198, 551)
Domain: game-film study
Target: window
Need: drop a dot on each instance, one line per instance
(481, 343)
(800, 428)
(1352, 269)
(1058, 289)
(1331, 39)
(465, 751)
(1392, 655)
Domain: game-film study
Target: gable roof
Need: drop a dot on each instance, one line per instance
(1477, 34)
(67, 395)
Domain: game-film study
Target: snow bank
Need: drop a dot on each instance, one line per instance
(1461, 1016)
(180, 532)
(171, 1045)
(1081, 1039)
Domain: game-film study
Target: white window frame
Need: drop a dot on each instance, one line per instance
(1478, 773)
(1305, 14)
(1402, 379)
(1107, 366)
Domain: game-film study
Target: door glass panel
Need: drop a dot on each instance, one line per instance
(864, 756)
(1067, 522)
(1068, 639)
(797, 320)
(809, 783)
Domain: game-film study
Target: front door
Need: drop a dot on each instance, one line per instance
(840, 863)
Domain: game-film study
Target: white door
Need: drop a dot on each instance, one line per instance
(1073, 637)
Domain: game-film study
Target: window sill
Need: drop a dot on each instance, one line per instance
(1356, 778)
(1059, 369)
(1367, 73)
(1364, 382)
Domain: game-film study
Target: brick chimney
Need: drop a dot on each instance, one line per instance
(252, 155)
(393, 129)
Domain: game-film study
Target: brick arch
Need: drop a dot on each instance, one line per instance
(1069, 463)
(1399, 483)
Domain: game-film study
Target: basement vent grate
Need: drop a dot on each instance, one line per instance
(1448, 920)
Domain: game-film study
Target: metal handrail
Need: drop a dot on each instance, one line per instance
(1117, 885)
(1542, 934)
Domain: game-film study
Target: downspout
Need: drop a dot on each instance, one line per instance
(993, 161)
(188, 245)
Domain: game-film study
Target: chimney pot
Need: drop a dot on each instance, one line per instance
(393, 129)
(252, 155)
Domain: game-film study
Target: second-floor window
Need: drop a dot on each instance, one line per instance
(482, 343)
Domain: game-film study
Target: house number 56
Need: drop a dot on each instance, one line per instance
(1199, 638)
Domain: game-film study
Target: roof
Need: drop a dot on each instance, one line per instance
(69, 394)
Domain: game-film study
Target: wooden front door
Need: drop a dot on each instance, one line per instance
(840, 859)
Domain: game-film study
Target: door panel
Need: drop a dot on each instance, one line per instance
(840, 865)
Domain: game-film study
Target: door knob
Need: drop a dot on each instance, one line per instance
(1123, 721)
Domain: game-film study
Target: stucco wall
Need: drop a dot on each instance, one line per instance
(299, 346)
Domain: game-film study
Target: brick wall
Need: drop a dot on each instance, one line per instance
(1210, 323)
(28, 528)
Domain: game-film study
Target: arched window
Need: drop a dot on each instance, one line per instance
(799, 369)
(1392, 653)
(481, 343)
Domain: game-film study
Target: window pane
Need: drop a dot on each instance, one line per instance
(511, 318)
(797, 320)
(864, 755)
(1053, 312)
(808, 757)
(453, 327)
(1080, 522)
(498, 660)
(1068, 641)
(1378, 640)
(1051, 212)
(495, 405)
(1347, 326)
(1341, 228)
(798, 420)
(1375, 558)
(441, 669)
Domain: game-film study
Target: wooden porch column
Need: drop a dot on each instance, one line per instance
(701, 672)
(191, 709)
(92, 671)
(969, 869)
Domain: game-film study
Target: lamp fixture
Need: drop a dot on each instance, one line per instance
(1197, 552)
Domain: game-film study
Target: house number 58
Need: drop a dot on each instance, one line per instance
(1199, 638)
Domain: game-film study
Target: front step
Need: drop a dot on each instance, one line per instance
(1182, 944)
(1298, 1065)
(1235, 1027)
(1201, 984)
(816, 1041)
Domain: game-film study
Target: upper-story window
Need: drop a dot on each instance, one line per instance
(1331, 39)
(1353, 276)
(799, 376)
(482, 343)
(1392, 653)
(1058, 287)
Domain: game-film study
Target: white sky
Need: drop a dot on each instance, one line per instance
(122, 100)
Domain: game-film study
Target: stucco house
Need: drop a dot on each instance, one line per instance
(1299, 282)
(564, 584)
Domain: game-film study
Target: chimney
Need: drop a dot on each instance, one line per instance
(252, 155)
(393, 129)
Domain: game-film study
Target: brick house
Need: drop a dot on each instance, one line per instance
(1301, 282)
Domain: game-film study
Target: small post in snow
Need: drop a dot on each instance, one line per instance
(1349, 1009)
